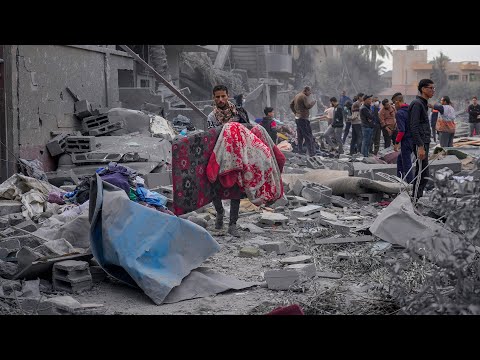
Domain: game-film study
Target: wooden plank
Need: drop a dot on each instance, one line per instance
(164, 81)
(344, 240)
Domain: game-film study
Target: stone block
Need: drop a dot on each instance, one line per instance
(60, 285)
(15, 219)
(372, 197)
(306, 211)
(273, 219)
(317, 193)
(286, 278)
(254, 229)
(79, 144)
(249, 252)
(71, 265)
(25, 256)
(8, 207)
(282, 202)
(300, 259)
(83, 109)
(299, 185)
(28, 225)
(278, 247)
(336, 225)
(57, 145)
(65, 303)
(106, 129)
(4, 223)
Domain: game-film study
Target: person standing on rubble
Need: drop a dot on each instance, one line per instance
(368, 125)
(445, 122)
(420, 128)
(375, 107)
(474, 117)
(388, 123)
(347, 115)
(268, 122)
(223, 112)
(335, 128)
(356, 143)
(300, 106)
(403, 140)
(343, 99)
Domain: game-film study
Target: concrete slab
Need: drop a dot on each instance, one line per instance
(343, 240)
(249, 252)
(273, 219)
(278, 247)
(306, 211)
(300, 259)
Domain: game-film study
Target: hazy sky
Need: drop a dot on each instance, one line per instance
(454, 52)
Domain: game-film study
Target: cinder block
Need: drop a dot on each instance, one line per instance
(317, 193)
(71, 265)
(57, 145)
(278, 247)
(306, 211)
(71, 276)
(285, 278)
(28, 225)
(106, 129)
(95, 157)
(372, 197)
(8, 207)
(60, 285)
(342, 229)
(79, 144)
(314, 162)
(273, 219)
(299, 185)
(96, 121)
(280, 202)
(83, 109)
(370, 171)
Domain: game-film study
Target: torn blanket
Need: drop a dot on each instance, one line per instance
(241, 158)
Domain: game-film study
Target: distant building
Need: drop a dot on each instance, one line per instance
(411, 65)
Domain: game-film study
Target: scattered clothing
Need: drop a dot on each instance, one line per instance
(56, 198)
(151, 197)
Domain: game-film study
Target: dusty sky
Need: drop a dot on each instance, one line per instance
(454, 52)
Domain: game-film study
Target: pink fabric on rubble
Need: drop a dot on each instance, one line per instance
(56, 198)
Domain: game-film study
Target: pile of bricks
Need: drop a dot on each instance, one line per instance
(71, 276)
(97, 125)
(80, 144)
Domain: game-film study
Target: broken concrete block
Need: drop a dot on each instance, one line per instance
(7, 269)
(300, 259)
(327, 215)
(306, 211)
(55, 248)
(30, 241)
(15, 219)
(64, 303)
(57, 145)
(71, 265)
(372, 197)
(317, 193)
(249, 252)
(314, 162)
(450, 161)
(83, 109)
(4, 253)
(80, 144)
(9, 286)
(4, 223)
(10, 244)
(340, 201)
(285, 278)
(106, 129)
(28, 225)
(98, 274)
(8, 207)
(277, 246)
(280, 202)
(254, 229)
(273, 219)
(370, 171)
(71, 276)
(296, 201)
(336, 225)
(329, 275)
(154, 180)
(25, 256)
(299, 185)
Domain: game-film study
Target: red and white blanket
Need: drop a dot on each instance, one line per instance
(240, 157)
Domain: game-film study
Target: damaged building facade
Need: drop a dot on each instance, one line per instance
(35, 102)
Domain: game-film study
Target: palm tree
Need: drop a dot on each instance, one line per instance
(439, 75)
(380, 67)
(382, 51)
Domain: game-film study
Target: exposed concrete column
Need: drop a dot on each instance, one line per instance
(173, 66)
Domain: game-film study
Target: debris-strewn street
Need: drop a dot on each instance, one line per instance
(144, 211)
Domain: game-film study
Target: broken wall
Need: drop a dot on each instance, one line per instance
(37, 100)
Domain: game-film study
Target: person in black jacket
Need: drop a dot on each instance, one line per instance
(242, 113)
(335, 129)
(420, 129)
(473, 116)
(269, 123)
(368, 125)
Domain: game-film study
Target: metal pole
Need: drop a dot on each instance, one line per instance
(163, 80)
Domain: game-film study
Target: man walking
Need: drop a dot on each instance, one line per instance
(403, 139)
(300, 106)
(473, 117)
(368, 126)
(420, 128)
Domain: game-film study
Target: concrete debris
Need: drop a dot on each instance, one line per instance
(343, 240)
(286, 278)
(273, 219)
(71, 276)
(249, 252)
(300, 259)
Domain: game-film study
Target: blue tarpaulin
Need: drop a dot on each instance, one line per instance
(141, 246)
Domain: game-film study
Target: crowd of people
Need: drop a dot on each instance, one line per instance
(410, 128)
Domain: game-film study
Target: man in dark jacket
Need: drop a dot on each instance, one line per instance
(368, 125)
(377, 131)
(269, 123)
(473, 116)
(420, 128)
(404, 139)
(242, 113)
